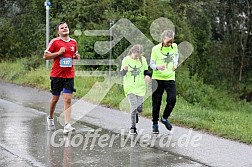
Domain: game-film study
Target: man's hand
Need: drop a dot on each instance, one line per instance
(49, 56)
(61, 51)
(76, 56)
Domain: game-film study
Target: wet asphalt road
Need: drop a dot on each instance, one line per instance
(25, 141)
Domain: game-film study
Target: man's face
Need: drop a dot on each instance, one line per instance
(63, 30)
(167, 42)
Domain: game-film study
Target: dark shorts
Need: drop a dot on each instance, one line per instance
(62, 84)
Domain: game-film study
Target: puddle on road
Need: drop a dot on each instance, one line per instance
(24, 134)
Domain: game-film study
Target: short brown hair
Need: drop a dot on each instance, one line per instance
(57, 26)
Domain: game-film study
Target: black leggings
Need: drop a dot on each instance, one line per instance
(158, 87)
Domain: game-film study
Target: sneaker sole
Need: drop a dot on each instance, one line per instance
(133, 133)
(66, 132)
(51, 129)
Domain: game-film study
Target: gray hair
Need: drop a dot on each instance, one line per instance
(167, 33)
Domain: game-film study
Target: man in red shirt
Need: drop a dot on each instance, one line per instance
(62, 50)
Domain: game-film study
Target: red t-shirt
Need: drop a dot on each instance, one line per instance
(71, 48)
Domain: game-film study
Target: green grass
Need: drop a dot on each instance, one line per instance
(233, 124)
(11, 71)
(227, 118)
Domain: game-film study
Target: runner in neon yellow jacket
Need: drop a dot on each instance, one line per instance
(135, 74)
(164, 62)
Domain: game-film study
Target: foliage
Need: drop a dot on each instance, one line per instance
(11, 71)
(193, 90)
(221, 34)
(31, 63)
(225, 118)
(208, 82)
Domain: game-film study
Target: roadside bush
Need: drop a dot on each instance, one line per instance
(38, 78)
(11, 71)
(193, 90)
(31, 63)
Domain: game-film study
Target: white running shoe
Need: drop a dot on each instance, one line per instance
(50, 123)
(68, 128)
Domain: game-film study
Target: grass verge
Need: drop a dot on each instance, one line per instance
(231, 120)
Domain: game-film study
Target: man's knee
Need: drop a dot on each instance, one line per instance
(68, 100)
(55, 99)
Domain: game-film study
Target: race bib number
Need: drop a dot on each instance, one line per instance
(66, 62)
